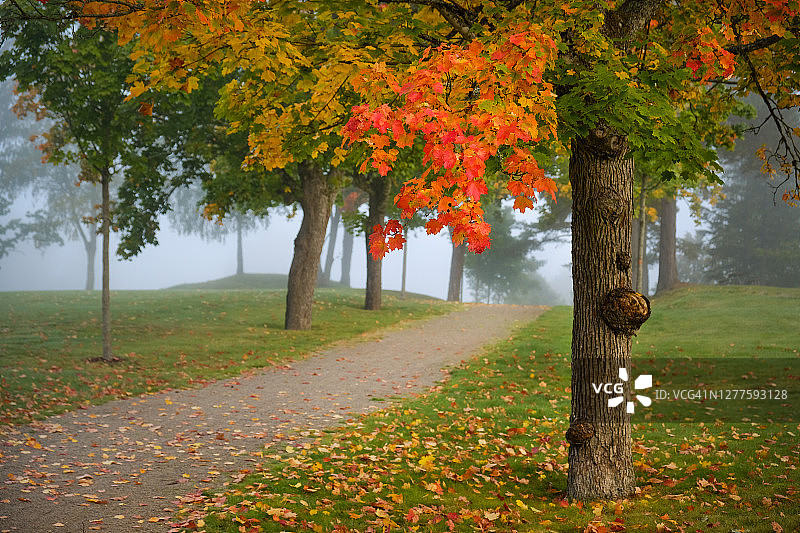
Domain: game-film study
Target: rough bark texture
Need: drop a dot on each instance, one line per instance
(456, 273)
(347, 257)
(667, 262)
(378, 189)
(600, 464)
(239, 247)
(336, 217)
(106, 297)
(316, 203)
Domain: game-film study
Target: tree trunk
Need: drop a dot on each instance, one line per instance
(405, 262)
(106, 297)
(600, 463)
(334, 233)
(347, 257)
(378, 190)
(90, 246)
(640, 257)
(239, 251)
(667, 262)
(316, 203)
(456, 272)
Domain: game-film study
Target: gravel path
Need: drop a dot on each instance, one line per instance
(129, 464)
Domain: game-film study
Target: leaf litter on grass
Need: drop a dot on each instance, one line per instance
(485, 452)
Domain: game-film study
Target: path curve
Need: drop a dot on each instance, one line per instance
(127, 465)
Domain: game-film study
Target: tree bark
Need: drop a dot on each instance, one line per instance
(640, 255)
(456, 272)
(105, 180)
(239, 250)
(334, 233)
(378, 189)
(317, 198)
(600, 462)
(667, 263)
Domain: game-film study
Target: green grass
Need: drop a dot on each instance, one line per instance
(166, 339)
(485, 451)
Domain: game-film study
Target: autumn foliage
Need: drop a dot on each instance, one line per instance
(466, 105)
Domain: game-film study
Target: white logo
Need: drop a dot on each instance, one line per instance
(645, 381)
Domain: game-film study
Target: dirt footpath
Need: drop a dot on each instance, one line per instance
(129, 464)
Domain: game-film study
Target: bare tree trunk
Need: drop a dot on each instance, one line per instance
(456, 272)
(641, 241)
(90, 246)
(378, 189)
(405, 261)
(316, 203)
(667, 263)
(600, 462)
(334, 233)
(239, 250)
(347, 257)
(106, 296)
(91, 254)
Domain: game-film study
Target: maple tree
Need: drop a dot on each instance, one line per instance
(485, 89)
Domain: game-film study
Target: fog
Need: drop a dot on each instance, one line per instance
(187, 259)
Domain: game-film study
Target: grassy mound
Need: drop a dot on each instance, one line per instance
(248, 281)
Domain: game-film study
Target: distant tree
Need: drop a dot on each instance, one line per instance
(186, 217)
(76, 77)
(694, 262)
(752, 236)
(752, 239)
(507, 266)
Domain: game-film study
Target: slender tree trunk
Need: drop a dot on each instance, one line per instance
(667, 263)
(90, 246)
(91, 255)
(334, 233)
(347, 257)
(106, 296)
(239, 250)
(316, 203)
(641, 241)
(600, 462)
(456, 272)
(378, 189)
(405, 262)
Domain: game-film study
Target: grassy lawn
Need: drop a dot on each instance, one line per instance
(166, 339)
(486, 450)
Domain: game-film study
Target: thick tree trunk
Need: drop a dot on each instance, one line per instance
(456, 272)
(106, 296)
(334, 233)
(378, 190)
(640, 235)
(316, 203)
(405, 263)
(600, 464)
(347, 257)
(239, 250)
(667, 263)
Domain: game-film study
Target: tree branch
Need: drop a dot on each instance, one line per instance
(758, 44)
